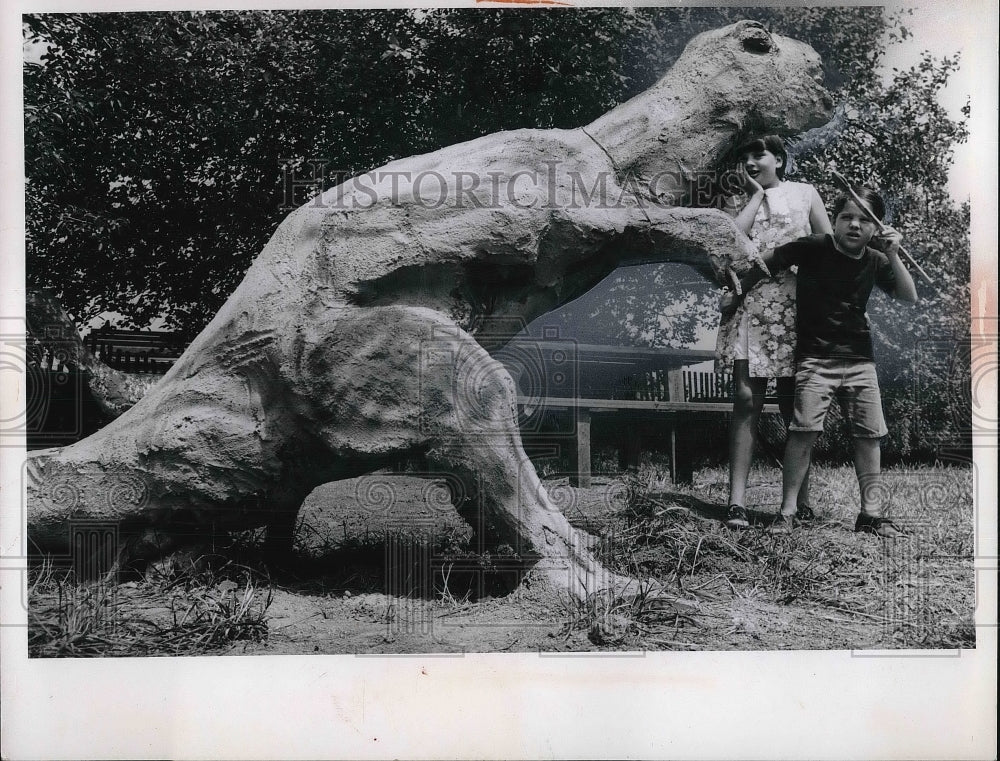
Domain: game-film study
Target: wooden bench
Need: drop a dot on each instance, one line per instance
(582, 380)
(136, 351)
(628, 383)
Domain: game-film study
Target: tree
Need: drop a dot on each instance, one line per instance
(895, 138)
(163, 149)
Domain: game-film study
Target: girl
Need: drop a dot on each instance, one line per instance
(757, 341)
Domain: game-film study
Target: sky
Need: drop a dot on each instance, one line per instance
(945, 30)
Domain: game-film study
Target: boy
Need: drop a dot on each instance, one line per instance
(834, 354)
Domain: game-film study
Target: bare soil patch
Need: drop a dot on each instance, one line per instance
(822, 587)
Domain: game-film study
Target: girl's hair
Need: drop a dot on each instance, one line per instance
(771, 143)
(869, 196)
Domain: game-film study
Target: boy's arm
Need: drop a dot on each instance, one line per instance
(905, 290)
(773, 260)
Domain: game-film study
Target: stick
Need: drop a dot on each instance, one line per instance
(841, 180)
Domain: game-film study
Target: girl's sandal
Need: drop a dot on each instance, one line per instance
(804, 514)
(737, 518)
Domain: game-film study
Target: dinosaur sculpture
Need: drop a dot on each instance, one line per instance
(350, 343)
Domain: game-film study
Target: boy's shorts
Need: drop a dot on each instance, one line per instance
(855, 384)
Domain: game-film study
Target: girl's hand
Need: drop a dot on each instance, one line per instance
(749, 183)
(888, 241)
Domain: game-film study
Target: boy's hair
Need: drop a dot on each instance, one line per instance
(869, 196)
(771, 143)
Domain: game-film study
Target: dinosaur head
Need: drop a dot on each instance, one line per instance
(727, 83)
(744, 72)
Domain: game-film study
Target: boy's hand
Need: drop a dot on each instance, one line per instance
(728, 303)
(888, 241)
(734, 281)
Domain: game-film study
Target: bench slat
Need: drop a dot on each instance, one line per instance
(600, 405)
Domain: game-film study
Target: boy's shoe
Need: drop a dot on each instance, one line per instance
(782, 524)
(883, 527)
(737, 517)
(804, 514)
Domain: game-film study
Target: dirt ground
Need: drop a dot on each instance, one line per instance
(823, 587)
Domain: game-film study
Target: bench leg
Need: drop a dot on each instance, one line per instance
(629, 443)
(681, 463)
(583, 473)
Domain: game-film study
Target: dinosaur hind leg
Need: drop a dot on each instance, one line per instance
(478, 440)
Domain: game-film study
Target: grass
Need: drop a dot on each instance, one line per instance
(190, 613)
(630, 620)
(916, 592)
(823, 586)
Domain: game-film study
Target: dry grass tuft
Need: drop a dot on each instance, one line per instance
(709, 588)
(629, 619)
(190, 614)
(913, 593)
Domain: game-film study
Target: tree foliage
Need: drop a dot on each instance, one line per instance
(159, 145)
(162, 149)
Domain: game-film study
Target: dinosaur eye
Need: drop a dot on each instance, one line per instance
(755, 39)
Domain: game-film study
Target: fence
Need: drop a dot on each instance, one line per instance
(707, 387)
(153, 352)
(698, 386)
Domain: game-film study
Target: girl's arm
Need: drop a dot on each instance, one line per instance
(744, 218)
(818, 219)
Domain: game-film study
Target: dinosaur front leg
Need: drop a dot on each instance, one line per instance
(399, 381)
(707, 240)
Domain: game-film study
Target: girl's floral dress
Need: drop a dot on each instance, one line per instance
(769, 307)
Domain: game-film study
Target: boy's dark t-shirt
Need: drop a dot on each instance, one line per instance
(832, 295)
